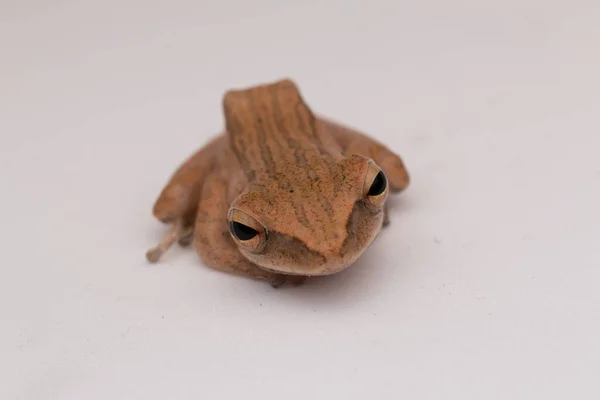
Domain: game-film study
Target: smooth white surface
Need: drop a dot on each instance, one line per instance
(486, 285)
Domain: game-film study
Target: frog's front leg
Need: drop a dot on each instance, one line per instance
(214, 244)
(178, 232)
(177, 202)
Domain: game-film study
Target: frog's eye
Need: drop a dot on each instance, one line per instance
(241, 232)
(376, 186)
(379, 184)
(246, 231)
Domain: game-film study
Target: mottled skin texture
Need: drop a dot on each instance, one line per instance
(299, 180)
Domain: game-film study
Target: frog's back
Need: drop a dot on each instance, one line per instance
(270, 127)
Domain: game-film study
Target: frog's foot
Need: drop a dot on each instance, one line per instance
(386, 216)
(178, 232)
(187, 236)
(294, 280)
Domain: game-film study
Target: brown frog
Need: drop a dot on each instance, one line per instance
(282, 194)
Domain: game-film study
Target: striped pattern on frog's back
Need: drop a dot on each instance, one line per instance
(270, 127)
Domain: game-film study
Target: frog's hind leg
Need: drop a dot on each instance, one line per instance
(178, 201)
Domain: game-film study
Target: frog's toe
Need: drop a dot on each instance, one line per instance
(187, 236)
(280, 280)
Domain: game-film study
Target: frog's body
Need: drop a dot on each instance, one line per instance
(282, 194)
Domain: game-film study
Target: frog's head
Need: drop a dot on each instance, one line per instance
(312, 219)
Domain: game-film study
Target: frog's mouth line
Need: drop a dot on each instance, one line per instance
(324, 272)
(314, 271)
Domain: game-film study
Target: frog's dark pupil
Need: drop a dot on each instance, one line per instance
(378, 185)
(241, 231)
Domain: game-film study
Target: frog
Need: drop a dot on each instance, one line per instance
(282, 193)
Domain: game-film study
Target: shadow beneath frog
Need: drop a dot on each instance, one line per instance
(398, 205)
(375, 271)
(381, 268)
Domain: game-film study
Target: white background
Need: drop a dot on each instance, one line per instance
(485, 286)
